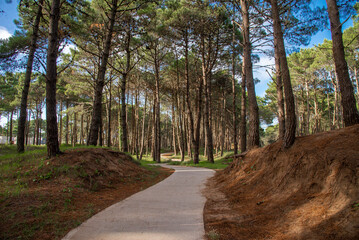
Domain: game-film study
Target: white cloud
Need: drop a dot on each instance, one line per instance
(4, 33)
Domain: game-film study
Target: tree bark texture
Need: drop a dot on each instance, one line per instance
(100, 81)
(350, 112)
(290, 121)
(51, 78)
(243, 122)
(25, 90)
(234, 110)
(253, 135)
(280, 98)
(207, 93)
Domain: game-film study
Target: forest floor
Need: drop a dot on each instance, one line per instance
(45, 198)
(310, 191)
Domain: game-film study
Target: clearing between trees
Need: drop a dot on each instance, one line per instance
(310, 191)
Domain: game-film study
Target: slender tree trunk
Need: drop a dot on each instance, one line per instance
(52, 139)
(25, 91)
(28, 129)
(207, 104)
(10, 133)
(143, 128)
(350, 112)
(74, 131)
(109, 116)
(153, 147)
(280, 99)
(137, 124)
(60, 116)
(253, 136)
(181, 116)
(307, 121)
(336, 101)
(290, 121)
(189, 110)
(243, 122)
(67, 123)
(124, 134)
(174, 120)
(234, 109)
(158, 112)
(82, 130)
(357, 83)
(100, 133)
(222, 124)
(96, 122)
(198, 124)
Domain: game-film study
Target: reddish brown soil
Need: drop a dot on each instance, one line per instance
(69, 189)
(310, 191)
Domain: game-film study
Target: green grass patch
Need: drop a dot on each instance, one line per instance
(220, 162)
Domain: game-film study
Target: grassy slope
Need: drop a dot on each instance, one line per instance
(220, 162)
(18, 174)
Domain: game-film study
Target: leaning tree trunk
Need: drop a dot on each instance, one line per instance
(96, 122)
(350, 112)
(253, 136)
(52, 141)
(25, 90)
(290, 122)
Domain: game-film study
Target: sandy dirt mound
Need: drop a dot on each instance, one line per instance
(60, 193)
(94, 168)
(310, 191)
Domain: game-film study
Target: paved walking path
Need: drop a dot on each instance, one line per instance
(169, 210)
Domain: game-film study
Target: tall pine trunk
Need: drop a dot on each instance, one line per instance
(60, 128)
(350, 112)
(188, 103)
(198, 124)
(25, 92)
(11, 128)
(253, 135)
(243, 122)
(234, 109)
(158, 112)
(290, 121)
(280, 99)
(96, 122)
(51, 77)
(207, 95)
(109, 116)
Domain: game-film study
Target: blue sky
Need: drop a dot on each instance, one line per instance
(8, 27)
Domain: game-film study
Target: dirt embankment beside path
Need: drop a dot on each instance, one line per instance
(62, 192)
(310, 191)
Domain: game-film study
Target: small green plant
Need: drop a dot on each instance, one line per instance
(46, 176)
(355, 205)
(213, 235)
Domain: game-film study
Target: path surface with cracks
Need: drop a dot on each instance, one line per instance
(169, 210)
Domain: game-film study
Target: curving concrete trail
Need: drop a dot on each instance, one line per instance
(169, 210)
